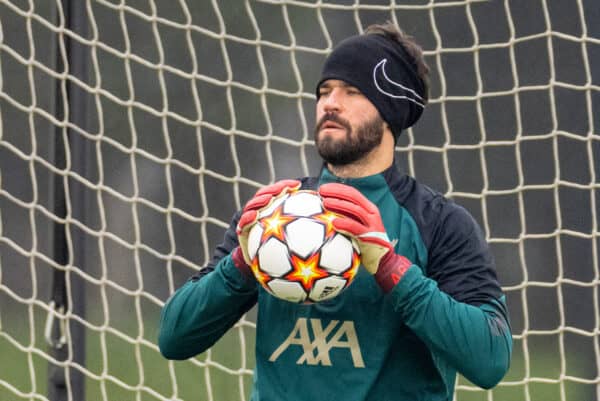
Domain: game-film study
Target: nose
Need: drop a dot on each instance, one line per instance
(331, 102)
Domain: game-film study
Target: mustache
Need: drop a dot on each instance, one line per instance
(333, 118)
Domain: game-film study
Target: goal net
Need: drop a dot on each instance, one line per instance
(130, 132)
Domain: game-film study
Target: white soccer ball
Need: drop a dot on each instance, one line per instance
(297, 255)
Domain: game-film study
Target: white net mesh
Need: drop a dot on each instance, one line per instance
(183, 108)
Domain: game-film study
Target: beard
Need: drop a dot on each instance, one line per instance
(356, 144)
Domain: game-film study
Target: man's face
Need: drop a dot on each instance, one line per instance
(348, 125)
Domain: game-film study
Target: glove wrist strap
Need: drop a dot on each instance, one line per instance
(391, 269)
(238, 261)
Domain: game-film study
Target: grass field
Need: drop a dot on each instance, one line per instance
(128, 372)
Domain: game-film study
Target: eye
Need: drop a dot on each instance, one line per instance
(324, 91)
(353, 91)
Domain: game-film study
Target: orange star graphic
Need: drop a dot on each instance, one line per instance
(274, 224)
(306, 271)
(351, 272)
(261, 276)
(327, 218)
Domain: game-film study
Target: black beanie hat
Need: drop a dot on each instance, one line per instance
(382, 70)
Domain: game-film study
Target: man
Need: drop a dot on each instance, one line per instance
(427, 303)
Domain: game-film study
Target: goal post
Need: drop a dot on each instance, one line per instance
(182, 109)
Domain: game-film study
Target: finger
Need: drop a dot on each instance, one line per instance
(278, 187)
(347, 193)
(247, 218)
(347, 209)
(358, 231)
(332, 189)
(258, 202)
(348, 226)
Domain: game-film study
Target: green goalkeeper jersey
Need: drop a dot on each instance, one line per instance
(446, 315)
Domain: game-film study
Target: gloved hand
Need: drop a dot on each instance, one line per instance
(361, 219)
(261, 199)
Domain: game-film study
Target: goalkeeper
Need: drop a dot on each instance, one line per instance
(426, 304)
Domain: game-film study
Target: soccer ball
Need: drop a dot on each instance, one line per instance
(297, 255)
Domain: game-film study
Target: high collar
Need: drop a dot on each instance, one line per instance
(367, 183)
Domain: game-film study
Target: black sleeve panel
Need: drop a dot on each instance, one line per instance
(459, 258)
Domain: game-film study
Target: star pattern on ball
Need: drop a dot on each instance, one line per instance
(306, 271)
(299, 255)
(274, 225)
(327, 219)
(261, 276)
(351, 272)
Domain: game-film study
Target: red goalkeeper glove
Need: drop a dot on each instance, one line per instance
(361, 219)
(261, 199)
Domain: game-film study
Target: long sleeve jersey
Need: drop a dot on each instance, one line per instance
(446, 315)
